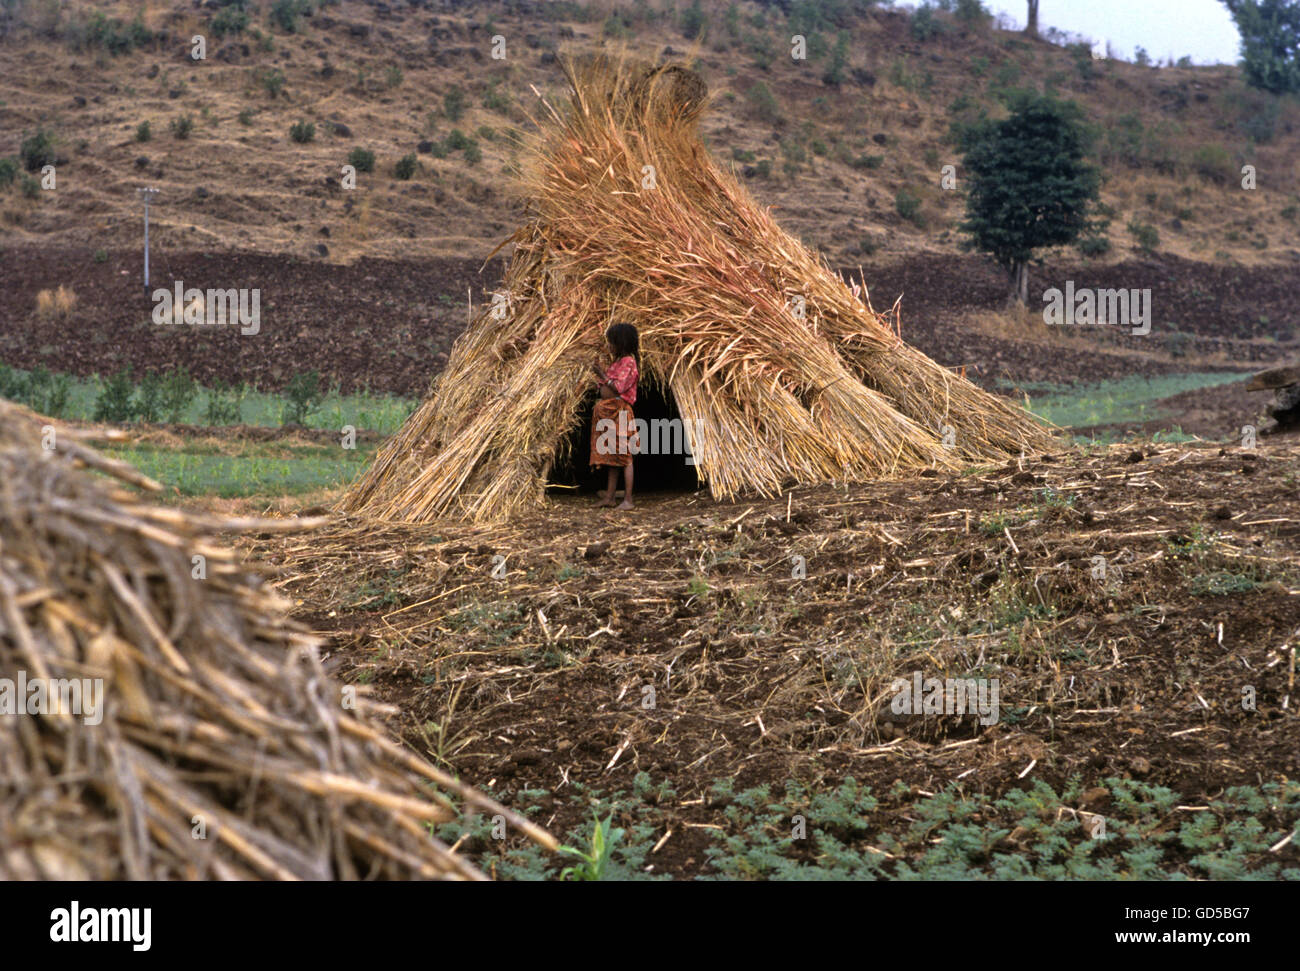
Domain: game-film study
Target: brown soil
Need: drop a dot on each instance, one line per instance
(763, 678)
(388, 325)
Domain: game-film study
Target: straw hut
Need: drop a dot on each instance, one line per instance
(781, 371)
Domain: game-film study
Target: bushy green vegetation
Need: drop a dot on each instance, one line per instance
(110, 34)
(37, 150)
(406, 166)
(229, 20)
(179, 398)
(362, 159)
(302, 131)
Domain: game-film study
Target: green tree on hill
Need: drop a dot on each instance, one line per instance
(1270, 43)
(1028, 185)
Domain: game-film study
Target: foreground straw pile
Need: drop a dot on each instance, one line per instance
(790, 377)
(217, 721)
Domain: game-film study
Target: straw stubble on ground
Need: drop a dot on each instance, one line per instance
(522, 654)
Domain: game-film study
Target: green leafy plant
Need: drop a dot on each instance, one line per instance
(302, 131)
(224, 406)
(114, 402)
(148, 402)
(595, 860)
(304, 396)
(176, 394)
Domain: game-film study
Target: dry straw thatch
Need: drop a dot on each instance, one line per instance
(216, 705)
(713, 285)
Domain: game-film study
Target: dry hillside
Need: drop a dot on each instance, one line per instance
(831, 141)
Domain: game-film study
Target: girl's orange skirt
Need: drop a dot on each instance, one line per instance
(613, 444)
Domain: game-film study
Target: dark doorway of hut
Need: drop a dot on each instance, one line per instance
(666, 471)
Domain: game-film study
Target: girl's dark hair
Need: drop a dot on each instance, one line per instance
(625, 341)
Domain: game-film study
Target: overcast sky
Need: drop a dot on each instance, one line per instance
(1200, 29)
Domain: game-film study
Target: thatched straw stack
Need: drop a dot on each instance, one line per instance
(715, 288)
(217, 718)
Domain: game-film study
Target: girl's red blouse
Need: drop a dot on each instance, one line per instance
(622, 376)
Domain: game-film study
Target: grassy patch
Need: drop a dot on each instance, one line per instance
(255, 471)
(1124, 400)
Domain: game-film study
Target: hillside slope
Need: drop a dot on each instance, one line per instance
(831, 141)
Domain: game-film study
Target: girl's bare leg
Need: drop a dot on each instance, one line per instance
(607, 497)
(627, 487)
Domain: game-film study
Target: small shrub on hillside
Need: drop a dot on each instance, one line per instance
(31, 189)
(181, 127)
(8, 171)
(405, 167)
(868, 161)
(908, 204)
(1094, 245)
(473, 154)
(392, 76)
(457, 140)
(1145, 235)
(362, 159)
(37, 150)
(143, 132)
(694, 22)
(285, 13)
(302, 131)
(270, 80)
(763, 103)
(495, 99)
(972, 12)
(229, 20)
(453, 103)
(1213, 162)
(924, 25)
(110, 34)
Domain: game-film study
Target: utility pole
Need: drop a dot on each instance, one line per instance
(147, 196)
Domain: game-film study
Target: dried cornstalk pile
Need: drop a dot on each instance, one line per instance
(786, 374)
(216, 719)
